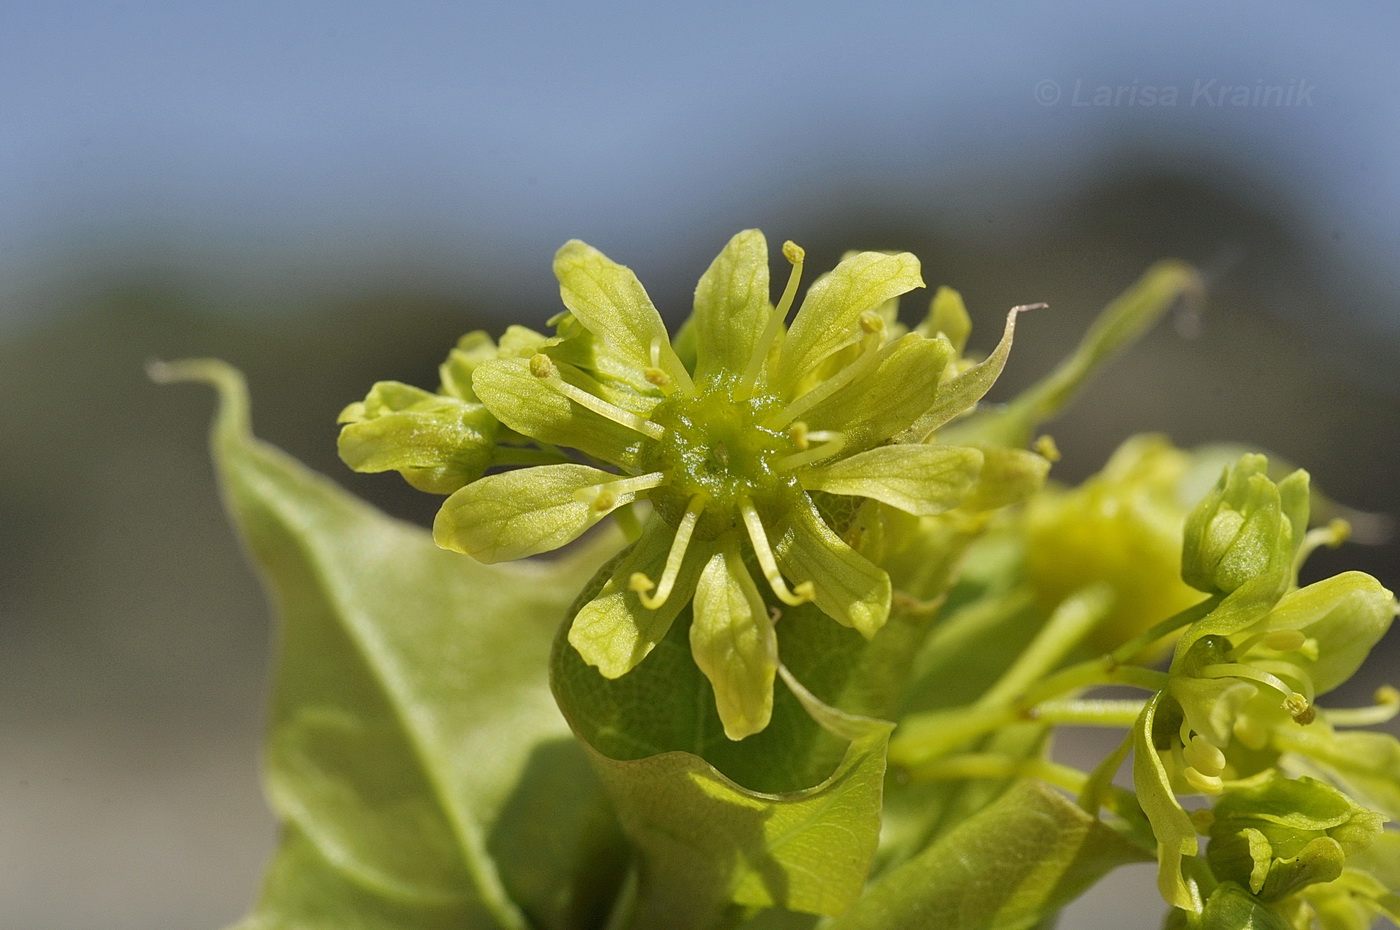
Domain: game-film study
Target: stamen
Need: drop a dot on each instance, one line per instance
(1047, 449)
(1385, 708)
(869, 356)
(1277, 640)
(804, 592)
(799, 435)
(642, 584)
(608, 495)
(542, 367)
(1332, 535)
(795, 256)
(831, 441)
(660, 377)
(1204, 756)
(1298, 706)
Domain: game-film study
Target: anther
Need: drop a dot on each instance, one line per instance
(1297, 707)
(541, 366)
(871, 322)
(801, 439)
(1046, 448)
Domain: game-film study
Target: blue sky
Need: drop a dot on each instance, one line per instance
(482, 135)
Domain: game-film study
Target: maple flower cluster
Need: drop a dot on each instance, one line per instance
(751, 438)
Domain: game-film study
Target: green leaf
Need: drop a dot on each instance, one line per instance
(921, 480)
(410, 713)
(1008, 867)
(828, 319)
(731, 306)
(787, 816)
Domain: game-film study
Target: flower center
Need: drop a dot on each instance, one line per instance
(715, 446)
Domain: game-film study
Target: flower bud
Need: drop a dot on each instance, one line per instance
(1247, 526)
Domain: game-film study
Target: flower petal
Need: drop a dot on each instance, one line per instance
(848, 587)
(522, 512)
(530, 406)
(611, 303)
(888, 399)
(921, 480)
(733, 642)
(731, 305)
(829, 317)
(615, 631)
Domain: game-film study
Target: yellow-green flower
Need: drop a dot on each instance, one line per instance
(744, 456)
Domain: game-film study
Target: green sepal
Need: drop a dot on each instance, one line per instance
(890, 398)
(614, 630)
(1175, 832)
(611, 303)
(829, 318)
(849, 587)
(1346, 615)
(960, 394)
(1008, 476)
(731, 307)
(921, 480)
(521, 513)
(437, 443)
(532, 407)
(947, 314)
(732, 640)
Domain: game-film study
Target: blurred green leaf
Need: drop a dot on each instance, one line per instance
(1008, 867)
(411, 715)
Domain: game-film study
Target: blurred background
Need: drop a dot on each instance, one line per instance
(327, 194)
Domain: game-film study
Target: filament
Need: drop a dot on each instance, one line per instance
(804, 592)
(831, 441)
(873, 328)
(642, 584)
(796, 256)
(542, 367)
